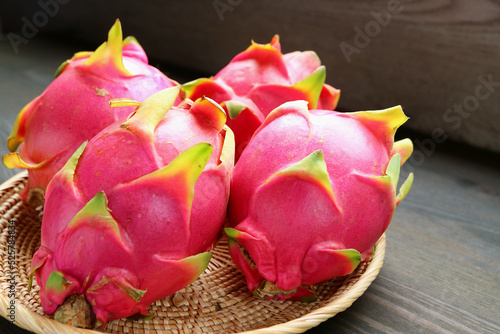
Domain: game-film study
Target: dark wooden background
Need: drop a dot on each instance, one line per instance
(442, 267)
(428, 55)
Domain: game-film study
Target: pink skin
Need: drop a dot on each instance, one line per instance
(300, 228)
(261, 78)
(75, 106)
(136, 212)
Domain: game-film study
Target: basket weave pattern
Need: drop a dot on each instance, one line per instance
(217, 302)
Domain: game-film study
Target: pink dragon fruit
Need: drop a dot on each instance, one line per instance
(132, 216)
(260, 79)
(311, 195)
(74, 107)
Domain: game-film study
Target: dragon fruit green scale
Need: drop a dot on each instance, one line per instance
(311, 194)
(134, 213)
(75, 107)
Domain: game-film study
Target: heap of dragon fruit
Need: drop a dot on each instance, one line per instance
(139, 177)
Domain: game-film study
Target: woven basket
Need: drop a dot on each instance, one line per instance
(217, 302)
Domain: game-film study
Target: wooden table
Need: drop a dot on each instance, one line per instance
(442, 267)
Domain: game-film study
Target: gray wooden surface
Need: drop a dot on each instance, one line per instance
(442, 267)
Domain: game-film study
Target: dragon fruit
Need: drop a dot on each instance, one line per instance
(311, 195)
(260, 79)
(132, 216)
(74, 107)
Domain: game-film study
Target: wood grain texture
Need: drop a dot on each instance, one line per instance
(441, 272)
(430, 56)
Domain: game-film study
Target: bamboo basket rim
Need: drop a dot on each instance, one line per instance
(29, 317)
